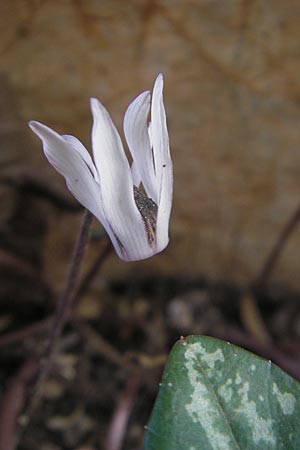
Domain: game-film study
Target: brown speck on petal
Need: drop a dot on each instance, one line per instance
(148, 210)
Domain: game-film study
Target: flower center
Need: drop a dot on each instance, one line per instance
(148, 210)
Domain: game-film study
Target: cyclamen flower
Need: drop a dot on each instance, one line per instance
(132, 203)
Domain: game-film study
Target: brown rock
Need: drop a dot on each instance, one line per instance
(232, 97)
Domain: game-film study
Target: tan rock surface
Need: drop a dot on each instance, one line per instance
(232, 97)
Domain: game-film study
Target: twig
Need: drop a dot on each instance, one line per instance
(43, 326)
(12, 403)
(29, 182)
(250, 312)
(276, 251)
(117, 429)
(19, 335)
(288, 363)
(129, 360)
(13, 263)
(252, 319)
(101, 346)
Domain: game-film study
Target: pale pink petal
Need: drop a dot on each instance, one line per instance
(117, 187)
(71, 163)
(136, 133)
(163, 163)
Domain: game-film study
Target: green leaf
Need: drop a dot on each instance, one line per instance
(216, 396)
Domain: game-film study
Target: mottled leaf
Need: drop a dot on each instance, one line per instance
(216, 396)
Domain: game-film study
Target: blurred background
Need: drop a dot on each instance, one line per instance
(232, 96)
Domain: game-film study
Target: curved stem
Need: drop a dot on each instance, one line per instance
(63, 309)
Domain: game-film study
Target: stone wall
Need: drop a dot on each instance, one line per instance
(232, 94)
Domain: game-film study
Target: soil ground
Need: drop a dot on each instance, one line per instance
(110, 357)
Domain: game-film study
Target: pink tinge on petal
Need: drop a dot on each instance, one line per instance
(136, 133)
(72, 165)
(117, 185)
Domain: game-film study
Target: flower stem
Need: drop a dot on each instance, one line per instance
(67, 297)
(63, 309)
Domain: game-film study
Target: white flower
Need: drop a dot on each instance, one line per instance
(132, 203)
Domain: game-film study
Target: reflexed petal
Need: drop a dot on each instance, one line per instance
(160, 137)
(106, 188)
(163, 164)
(117, 187)
(164, 208)
(71, 163)
(150, 136)
(136, 133)
(106, 141)
(80, 148)
(136, 177)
